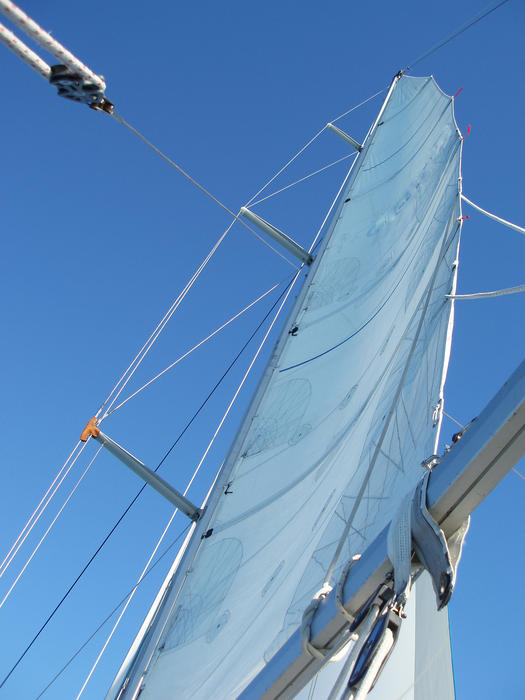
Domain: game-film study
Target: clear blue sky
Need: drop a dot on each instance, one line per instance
(100, 235)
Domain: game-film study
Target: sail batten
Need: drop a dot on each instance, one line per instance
(341, 421)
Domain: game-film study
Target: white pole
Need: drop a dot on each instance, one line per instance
(24, 52)
(45, 40)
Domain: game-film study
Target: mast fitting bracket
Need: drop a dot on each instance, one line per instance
(91, 430)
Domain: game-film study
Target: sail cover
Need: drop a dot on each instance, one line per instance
(349, 407)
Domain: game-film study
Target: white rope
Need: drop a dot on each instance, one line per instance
(306, 177)
(339, 591)
(35, 550)
(493, 216)
(306, 623)
(24, 52)
(486, 295)
(32, 29)
(182, 357)
(39, 510)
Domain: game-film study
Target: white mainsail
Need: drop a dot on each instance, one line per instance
(348, 407)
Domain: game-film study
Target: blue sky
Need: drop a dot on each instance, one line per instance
(100, 235)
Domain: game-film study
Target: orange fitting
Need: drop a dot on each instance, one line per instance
(91, 430)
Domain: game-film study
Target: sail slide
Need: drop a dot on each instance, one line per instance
(349, 406)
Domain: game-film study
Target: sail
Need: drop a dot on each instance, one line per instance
(349, 406)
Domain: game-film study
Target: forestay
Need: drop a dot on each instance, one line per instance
(349, 408)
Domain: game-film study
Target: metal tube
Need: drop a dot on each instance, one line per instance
(355, 144)
(45, 40)
(284, 240)
(150, 477)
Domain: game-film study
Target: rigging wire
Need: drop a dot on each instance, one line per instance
(39, 511)
(110, 615)
(308, 144)
(125, 378)
(453, 420)
(236, 217)
(285, 166)
(306, 177)
(352, 109)
(198, 345)
(286, 291)
(41, 540)
(159, 542)
(471, 22)
(5, 563)
(113, 395)
(516, 471)
(284, 294)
